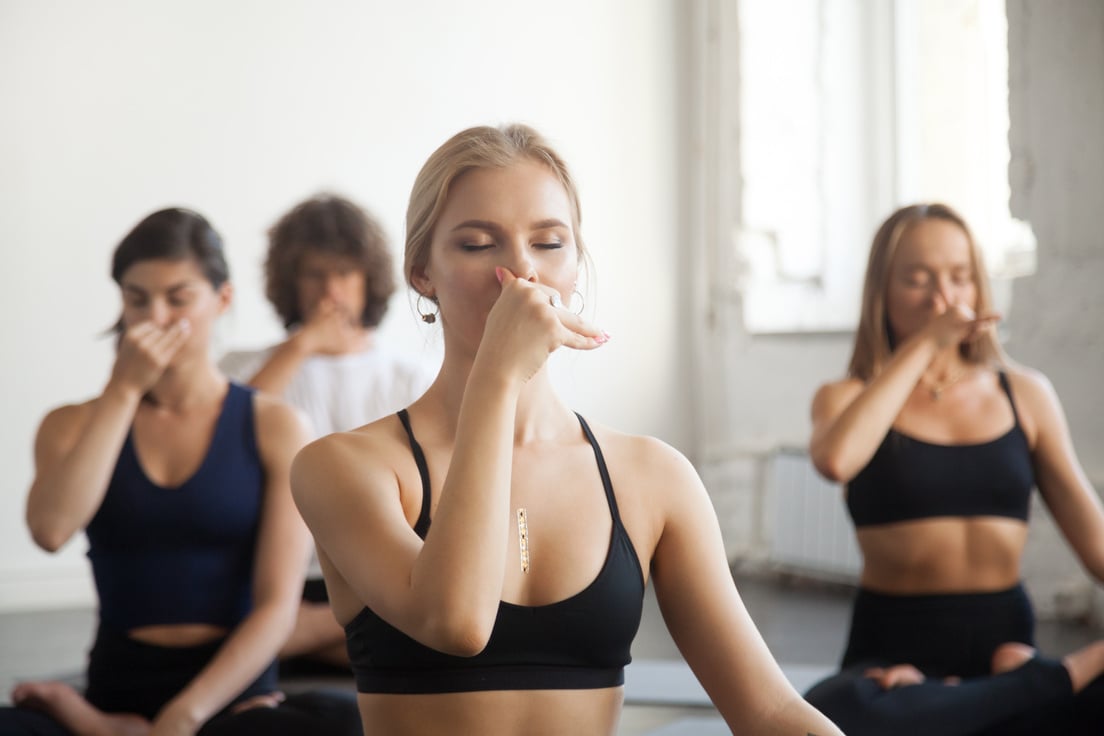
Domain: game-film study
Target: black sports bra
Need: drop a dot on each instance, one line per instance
(909, 479)
(581, 642)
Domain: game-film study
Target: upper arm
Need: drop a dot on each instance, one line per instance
(827, 449)
(348, 493)
(283, 541)
(1058, 473)
(829, 402)
(704, 612)
(58, 434)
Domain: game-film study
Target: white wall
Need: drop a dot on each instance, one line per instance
(112, 109)
(1056, 97)
(766, 383)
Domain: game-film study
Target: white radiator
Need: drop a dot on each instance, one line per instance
(810, 532)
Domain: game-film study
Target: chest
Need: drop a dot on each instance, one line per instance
(170, 449)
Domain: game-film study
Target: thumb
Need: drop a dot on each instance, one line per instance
(504, 275)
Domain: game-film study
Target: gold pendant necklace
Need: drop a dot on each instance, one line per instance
(523, 538)
(936, 389)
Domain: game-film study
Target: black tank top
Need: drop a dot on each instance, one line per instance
(910, 479)
(581, 642)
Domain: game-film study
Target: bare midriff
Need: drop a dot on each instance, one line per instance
(178, 635)
(942, 555)
(505, 713)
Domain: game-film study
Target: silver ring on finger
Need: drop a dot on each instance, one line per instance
(556, 301)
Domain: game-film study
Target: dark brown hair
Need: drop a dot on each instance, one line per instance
(173, 234)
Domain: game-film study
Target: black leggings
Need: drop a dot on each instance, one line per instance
(952, 635)
(128, 676)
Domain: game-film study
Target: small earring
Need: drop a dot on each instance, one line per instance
(428, 317)
(582, 302)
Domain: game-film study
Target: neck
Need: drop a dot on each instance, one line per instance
(540, 415)
(187, 385)
(946, 366)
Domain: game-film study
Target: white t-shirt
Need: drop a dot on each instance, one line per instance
(342, 392)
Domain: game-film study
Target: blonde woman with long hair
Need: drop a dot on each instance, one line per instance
(940, 440)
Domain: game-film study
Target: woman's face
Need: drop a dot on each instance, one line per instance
(518, 218)
(166, 291)
(931, 271)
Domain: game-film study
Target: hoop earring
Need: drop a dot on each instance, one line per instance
(427, 317)
(582, 301)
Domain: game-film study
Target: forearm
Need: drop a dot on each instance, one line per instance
(460, 569)
(250, 648)
(67, 492)
(846, 445)
(792, 717)
(281, 367)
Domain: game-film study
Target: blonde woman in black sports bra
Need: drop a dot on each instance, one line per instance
(940, 442)
(487, 549)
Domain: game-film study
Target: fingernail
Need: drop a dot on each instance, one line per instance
(500, 273)
(185, 325)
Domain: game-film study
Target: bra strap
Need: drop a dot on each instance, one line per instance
(1008, 392)
(421, 527)
(602, 471)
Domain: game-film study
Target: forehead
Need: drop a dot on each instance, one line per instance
(521, 193)
(162, 273)
(933, 242)
(319, 260)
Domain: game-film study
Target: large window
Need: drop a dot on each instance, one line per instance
(831, 113)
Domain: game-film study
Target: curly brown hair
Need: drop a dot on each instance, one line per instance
(330, 224)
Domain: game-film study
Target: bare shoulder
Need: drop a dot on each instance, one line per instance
(273, 412)
(648, 471)
(63, 424)
(1030, 383)
(646, 454)
(349, 462)
(1036, 400)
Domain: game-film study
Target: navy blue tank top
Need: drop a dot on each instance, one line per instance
(581, 642)
(182, 555)
(909, 479)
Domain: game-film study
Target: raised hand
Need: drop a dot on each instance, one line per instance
(528, 323)
(145, 350)
(959, 324)
(330, 330)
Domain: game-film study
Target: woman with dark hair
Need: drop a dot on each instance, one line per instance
(179, 479)
(940, 440)
(486, 548)
(329, 275)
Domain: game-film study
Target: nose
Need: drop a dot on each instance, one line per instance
(332, 284)
(519, 262)
(160, 313)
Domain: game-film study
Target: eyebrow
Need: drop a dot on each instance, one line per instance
(495, 227)
(171, 289)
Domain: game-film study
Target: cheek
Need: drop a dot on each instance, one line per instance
(353, 286)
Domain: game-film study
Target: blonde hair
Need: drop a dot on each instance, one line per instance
(874, 340)
(481, 147)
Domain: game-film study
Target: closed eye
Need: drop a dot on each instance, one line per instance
(475, 247)
(548, 246)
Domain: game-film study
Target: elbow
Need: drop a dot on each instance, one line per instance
(47, 539)
(49, 529)
(830, 465)
(461, 636)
